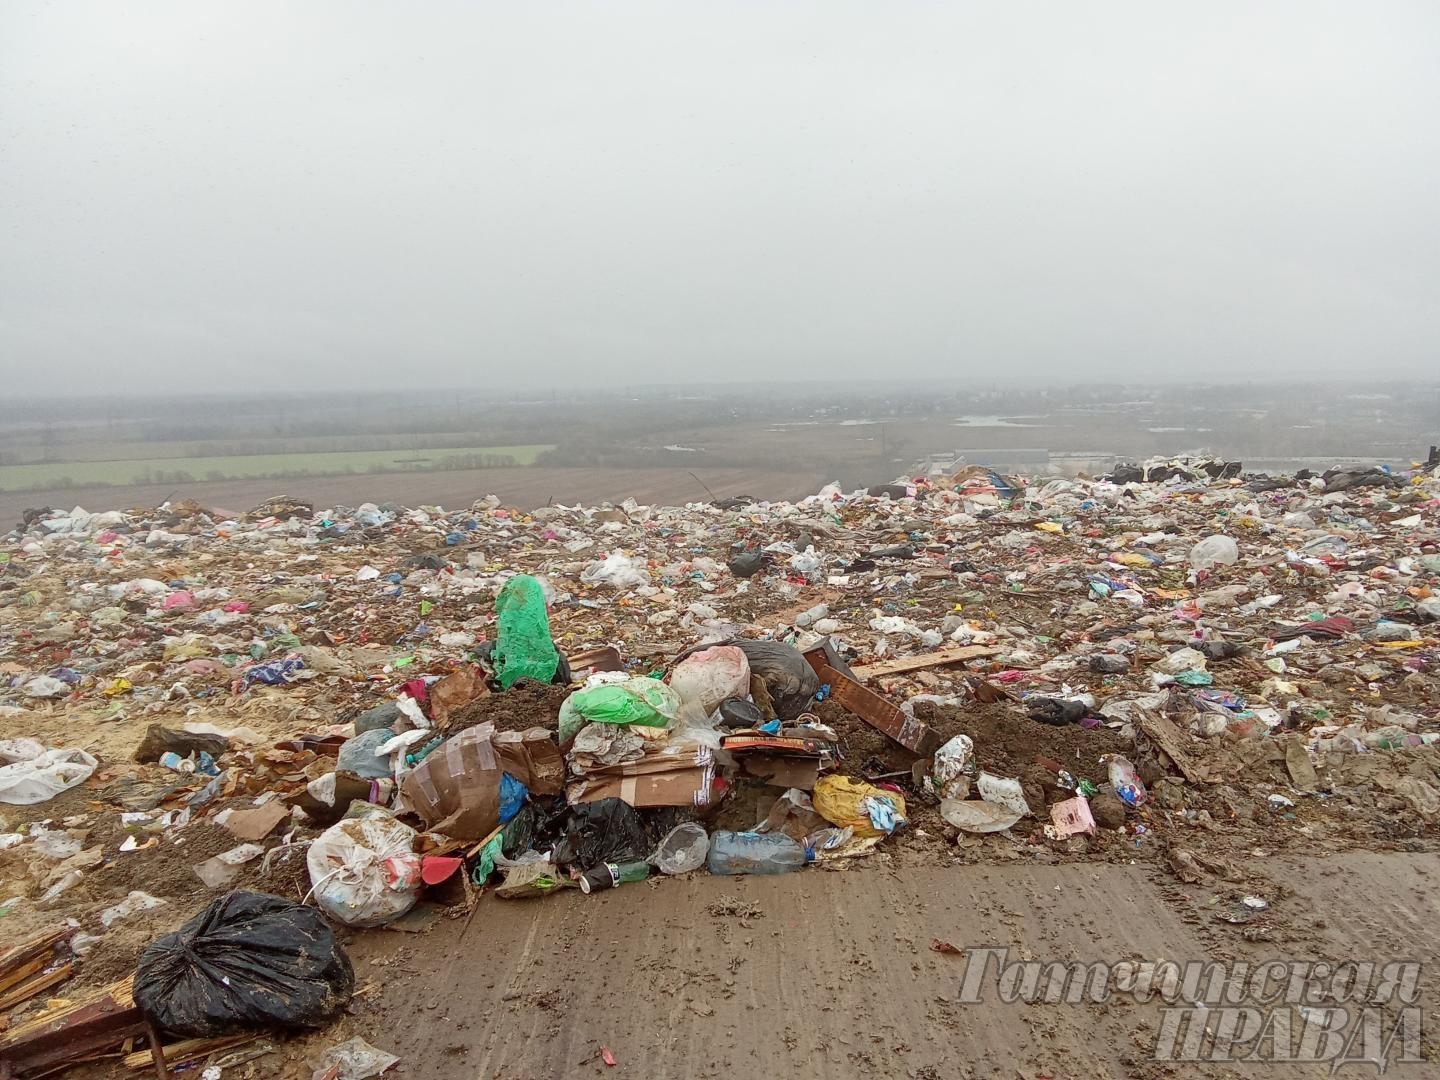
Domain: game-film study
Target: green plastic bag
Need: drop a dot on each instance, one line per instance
(523, 649)
(642, 701)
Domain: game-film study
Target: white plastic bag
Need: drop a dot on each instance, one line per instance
(43, 686)
(363, 871)
(1183, 660)
(43, 777)
(806, 562)
(974, 815)
(894, 624)
(710, 676)
(133, 904)
(1002, 791)
(949, 766)
(13, 750)
(355, 1059)
(1214, 550)
(618, 571)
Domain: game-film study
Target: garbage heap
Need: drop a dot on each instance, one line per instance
(272, 723)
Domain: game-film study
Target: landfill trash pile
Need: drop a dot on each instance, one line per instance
(277, 729)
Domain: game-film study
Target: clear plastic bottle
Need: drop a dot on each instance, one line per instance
(754, 853)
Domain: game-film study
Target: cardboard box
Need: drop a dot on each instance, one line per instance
(456, 790)
(786, 772)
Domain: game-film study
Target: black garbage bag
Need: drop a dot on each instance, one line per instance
(740, 713)
(788, 676)
(747, 564)
(539, 825)
(518, 834)
(898, 551)
(889, 491)
(249, 961)
(1126, 474)
(1224, 650)
(1056, 711)
(604, 831)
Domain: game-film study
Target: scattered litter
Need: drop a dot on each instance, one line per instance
(381, 715)
(354, 1059)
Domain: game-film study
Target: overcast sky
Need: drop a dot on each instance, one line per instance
(201, 195)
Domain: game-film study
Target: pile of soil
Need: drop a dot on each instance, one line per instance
(1007, 742)
(165, 870)
(525, 705)
(287, 877)
(859, 742)
(111, 959)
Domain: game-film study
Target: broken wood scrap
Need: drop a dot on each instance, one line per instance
(178, 1053)
(26, 990)
(954, 654)
(80, 1031)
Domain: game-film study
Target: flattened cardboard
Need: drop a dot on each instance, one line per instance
(674, 775)
(259, 822)
(456, 690)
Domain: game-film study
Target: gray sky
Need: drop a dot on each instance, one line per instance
(246, 195)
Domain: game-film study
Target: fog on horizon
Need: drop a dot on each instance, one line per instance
(200, 196)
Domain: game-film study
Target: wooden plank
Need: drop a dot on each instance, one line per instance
(481, 845)
(953, 654)
(25, 991)
(187, 1050)
(23, 972)
(880, 713)
(107, 1001)
(875, 709)
(604, 658)
(36, 946)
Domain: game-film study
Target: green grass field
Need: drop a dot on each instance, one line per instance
(249, 466)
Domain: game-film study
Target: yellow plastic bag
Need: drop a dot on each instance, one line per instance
(119, 686)
(853, 804)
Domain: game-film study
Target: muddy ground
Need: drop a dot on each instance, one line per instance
(832, 973)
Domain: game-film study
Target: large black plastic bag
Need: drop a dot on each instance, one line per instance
(248, 961)
(788, 676)
(604, 831)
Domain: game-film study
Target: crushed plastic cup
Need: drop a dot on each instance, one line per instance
(682, 849)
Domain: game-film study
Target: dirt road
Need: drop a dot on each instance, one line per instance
(833, 975)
